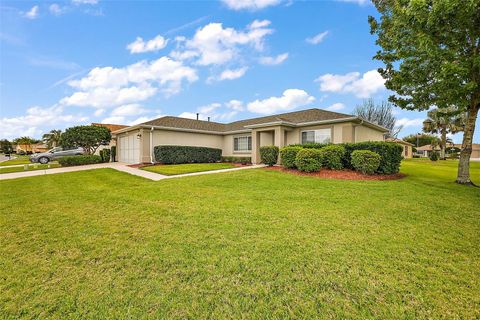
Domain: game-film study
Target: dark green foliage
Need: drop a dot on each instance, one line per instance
(113, 153)
(365, 161)
(105, 155)
(390, 152)
(241, 160)
(269, 155)
(332, 156)
(433, 156)
(422, 139)
(310, 145)
(186, 154)
(87, 137)
(288, 155)
(79, 160)
(6, 146)
(308, 160)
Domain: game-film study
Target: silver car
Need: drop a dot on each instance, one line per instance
(55, 153)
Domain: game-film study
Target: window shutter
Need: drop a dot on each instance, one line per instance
(235, 144)
(249, 143)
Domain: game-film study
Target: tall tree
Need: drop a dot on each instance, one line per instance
(87, 137)
(381, 114)
(442, 122)
(431, 52)
(6, 146)
(422, 139)
(52, 138)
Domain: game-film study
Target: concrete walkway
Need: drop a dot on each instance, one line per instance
(117, 166)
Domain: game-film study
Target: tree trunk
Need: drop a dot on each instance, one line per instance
(463, 175)
(444, 143)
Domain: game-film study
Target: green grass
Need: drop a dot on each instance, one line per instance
(174, 169)
(251, 244)
(17, 160)
(29, 168)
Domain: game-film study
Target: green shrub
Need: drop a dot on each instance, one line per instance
(105, 155)
(288, 155)
(365, 161)
(310, 145)
(332, 156)
(113, 153)
(433, 156)
(186, 154)
(308, 160)
(390, 152)
(241, 160)
(79, 160)
(269, 155)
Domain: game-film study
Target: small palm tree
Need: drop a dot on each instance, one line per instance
(443, 121)
(52, 139)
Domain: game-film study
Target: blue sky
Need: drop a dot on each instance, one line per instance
(82, 61)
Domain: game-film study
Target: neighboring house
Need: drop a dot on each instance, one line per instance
(34, 148)
(243, 138)
(407, 147)
(425, 151)
(112, 128)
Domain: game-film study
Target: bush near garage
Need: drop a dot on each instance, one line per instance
(105, 155)
(186, 154)
(79, 160)
(365, 161)
(308, 160)
(288, 155)
(113, 153)
(269, 155)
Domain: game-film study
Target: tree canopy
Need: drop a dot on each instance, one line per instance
(87, 137)
(379, 113)
(422, 139)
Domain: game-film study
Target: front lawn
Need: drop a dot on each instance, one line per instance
(29, 168)
(252, 244)
(18, 160)
(174, 169)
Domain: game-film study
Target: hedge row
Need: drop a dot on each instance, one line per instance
(242, 160)
(269, 155)
(390, 154)
(186, 154)
(105, 155)
(79, 160)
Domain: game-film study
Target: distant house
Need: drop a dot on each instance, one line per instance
(425, 151)
(32, 148)
(112, 128)
(244, 138)
(407, 147)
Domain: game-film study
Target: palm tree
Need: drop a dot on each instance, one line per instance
(52, 139)
(443, 121)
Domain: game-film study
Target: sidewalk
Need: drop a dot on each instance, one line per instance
(117, 166)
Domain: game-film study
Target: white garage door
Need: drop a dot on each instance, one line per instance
(129, 149)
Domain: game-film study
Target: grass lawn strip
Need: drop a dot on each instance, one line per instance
(176, 169)
(29, 168)
(250, 244)
(17, 160)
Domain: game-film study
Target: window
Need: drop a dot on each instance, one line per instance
(242, 143)
(317, 136)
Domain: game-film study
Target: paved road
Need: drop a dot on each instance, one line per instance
(4, 158)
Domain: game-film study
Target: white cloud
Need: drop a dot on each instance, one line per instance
(114, 120)
(57, 9)
(36, 121)
(370, 82)
(216, 111)
(250, 4)
(406, 122)
(78, 2)
(129, 110)
(110, 87)
(99, 112)
(317, 38)
(229, 74)
(336, 107)
(141, 46)
(192, 115)
(290, 99)
(271, 61)
(235, 105)
(32, 13)
(215, 45)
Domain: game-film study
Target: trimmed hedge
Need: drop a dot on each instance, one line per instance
(269, 155)
(288, 155)
(310, 145)
(365, 161)
(79, 160)
(308, 160)
(113, 153)
(105, 155)
(434, 156)
(331, 156)
(186, 154)
(390, 152)
(241, 160)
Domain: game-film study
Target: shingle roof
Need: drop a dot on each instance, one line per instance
(112, 127)
(302, 116)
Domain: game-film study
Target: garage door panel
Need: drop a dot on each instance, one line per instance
(129, 149)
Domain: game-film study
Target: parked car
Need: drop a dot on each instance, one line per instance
(55, 153)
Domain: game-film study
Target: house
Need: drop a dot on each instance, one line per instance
(407, 147)
(424, 151)
(31, 148)
(112, 128)
(243, 138)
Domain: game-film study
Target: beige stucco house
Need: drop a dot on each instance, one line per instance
(407, 147)
(243, 138)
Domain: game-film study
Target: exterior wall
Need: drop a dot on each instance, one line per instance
(228, 146)
(129, 133)
(407, 151)
(475, 154)
(363, 133)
